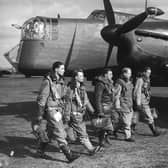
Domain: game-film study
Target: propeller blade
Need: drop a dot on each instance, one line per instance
(108, 55)
(138, 19)
(132, 23)
(109, 12)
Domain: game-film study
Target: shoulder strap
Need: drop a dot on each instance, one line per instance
(121, 82)
(51, 91)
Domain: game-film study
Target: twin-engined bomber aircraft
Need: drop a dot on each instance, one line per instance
(104, 39)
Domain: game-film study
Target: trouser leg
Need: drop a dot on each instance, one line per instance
(105, 131)
(43, 140)
(135, 120)
(71, 134)
(109, 120)
(148, 117)
(56, 131)
(146, 114)
(59, 134)
(42, 146)
(41, 150)
(127, 124)
(80, 129)
(115, 117)
(88, 145)
(127, 119)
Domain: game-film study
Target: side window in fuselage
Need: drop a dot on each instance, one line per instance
(55, 30)
(52, 29)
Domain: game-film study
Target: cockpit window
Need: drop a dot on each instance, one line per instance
(97, 15)
(40, 28)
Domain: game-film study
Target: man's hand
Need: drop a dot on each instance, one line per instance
(36, 122)
(35, 127)
(39, 119)
(41, 110)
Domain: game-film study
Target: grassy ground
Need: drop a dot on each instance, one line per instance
(17, 106)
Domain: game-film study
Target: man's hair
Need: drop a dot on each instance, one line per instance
(105, 71)
(75, 72)
(56, 64)
(125, 70)
(146, 68)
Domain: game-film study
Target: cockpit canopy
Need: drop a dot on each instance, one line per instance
(40, 28)
(97, 15)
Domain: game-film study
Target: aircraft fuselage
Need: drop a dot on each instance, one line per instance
(88, 50)
(78, 43)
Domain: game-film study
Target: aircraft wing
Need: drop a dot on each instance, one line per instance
(153, 34)
(122, 17)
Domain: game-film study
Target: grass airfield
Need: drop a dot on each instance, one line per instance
(18, 105)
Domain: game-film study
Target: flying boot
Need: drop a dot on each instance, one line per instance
(88, 145)
(41, 150)
(133, 128)
(102, 138)
(71, 156)
(154, 129)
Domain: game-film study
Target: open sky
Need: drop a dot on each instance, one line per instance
(18, 11)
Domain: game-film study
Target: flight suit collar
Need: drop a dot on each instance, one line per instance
(54, 79)
(72, 85)
(104, 80)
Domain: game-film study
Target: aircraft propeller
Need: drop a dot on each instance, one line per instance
(111, 22)
(112, 32)
(109, 12)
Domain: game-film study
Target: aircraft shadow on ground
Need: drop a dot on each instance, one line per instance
(20, 146)
(24, 147)
(161, 104)
(25, 110)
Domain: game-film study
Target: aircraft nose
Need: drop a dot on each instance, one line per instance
(155, 11)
